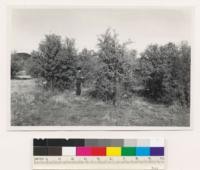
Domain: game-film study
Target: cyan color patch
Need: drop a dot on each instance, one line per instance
(142, 151)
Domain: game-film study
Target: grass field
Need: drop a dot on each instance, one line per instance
(32, 106)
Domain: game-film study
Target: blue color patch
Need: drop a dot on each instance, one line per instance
(142, 151)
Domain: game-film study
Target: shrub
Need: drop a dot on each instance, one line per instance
(55, 61)
(165, 71)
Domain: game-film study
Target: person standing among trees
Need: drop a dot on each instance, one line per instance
(79, 80)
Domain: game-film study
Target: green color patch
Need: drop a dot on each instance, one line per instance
(128, 151)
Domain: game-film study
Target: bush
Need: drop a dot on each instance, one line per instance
(87, 61)
(165, 71)
(55, 61)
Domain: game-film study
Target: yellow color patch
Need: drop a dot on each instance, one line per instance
(113, 151)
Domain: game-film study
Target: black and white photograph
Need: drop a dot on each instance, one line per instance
(101, 67)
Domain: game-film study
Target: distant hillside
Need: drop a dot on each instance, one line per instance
(24, 56)
(23, 59)
(19, 62)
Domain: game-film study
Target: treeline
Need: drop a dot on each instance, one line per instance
(114, 72)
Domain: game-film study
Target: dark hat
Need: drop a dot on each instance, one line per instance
(78, 68)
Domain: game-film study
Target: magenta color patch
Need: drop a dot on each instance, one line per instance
(83, 151)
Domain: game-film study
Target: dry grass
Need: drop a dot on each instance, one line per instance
(32, 106)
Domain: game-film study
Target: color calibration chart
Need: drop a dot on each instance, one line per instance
(98, 154)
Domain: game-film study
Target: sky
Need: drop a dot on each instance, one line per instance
(143, 26)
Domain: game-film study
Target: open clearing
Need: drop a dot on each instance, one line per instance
(32, 106)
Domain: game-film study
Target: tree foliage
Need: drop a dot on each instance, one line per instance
(55, 61)
(15, 64)
(87, 61)
(113, 71)
(165, 71)
(113, 67)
